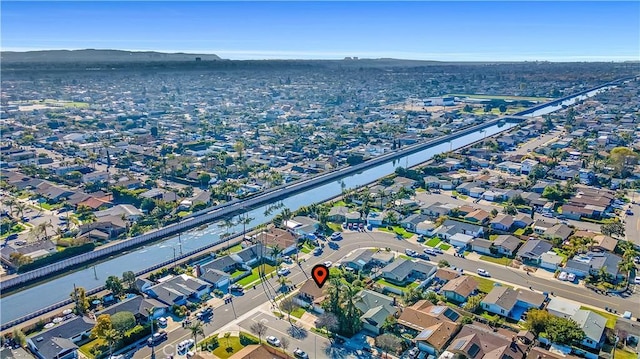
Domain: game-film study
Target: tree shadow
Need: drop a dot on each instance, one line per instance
(297, 332)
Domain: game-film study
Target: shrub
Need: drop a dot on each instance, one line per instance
(211, 343)
(247, 339)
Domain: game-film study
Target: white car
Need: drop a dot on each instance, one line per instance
(327, 263)
(162, 321)
(563, 275)
(571, 277)
(273, 341)
(185, 344)
(298, 353)
(483, 273)
(411, 252)
(636, 280)
(284, 271)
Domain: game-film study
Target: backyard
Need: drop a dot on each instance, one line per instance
(384, 283)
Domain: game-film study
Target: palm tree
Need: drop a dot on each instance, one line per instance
(42, 228)
(227, 224)
(283, 281)
(196, 329)
(112, 336)
(20, 208)
(352, 315)
(10, 202)
(244, 221)
(275, 253)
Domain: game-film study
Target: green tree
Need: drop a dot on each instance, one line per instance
(204, 179)
(289, 306)
(114, 285)
(612, 229)
(123, 321)
(412, 296)
(103, 324)
(443, 263)
(537, 321)
(621, 159)
(388, 343)
(112, 336)
(129, 279)
(79, 296)
(510, 209)
(552, 193)
(564, 331)
(19, 337)
(473, 303)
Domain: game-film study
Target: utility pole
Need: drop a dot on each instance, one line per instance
(180, 242)
(95, 274)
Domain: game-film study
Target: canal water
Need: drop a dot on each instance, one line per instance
(42, 295)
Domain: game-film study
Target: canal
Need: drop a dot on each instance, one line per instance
(55, 290)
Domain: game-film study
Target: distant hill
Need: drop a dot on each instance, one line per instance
(91, 55)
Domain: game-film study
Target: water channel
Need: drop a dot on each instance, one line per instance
(50, 292)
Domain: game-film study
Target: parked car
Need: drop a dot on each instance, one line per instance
(334, 245)
(411, 252)
(571, 277)
(162, 321)
(430, 251)
(317, 251)
(284, 271)
(185, 345)
(273, 341)
(287, 259)
(336, 236)
(157, 338)
(563, 275)
(483, 273)
(636, 280)
(298, 353)
(327, 263)
(629, 212)
(413, 352)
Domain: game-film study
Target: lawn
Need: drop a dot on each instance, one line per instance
(225, 343)
(623, 354)
(444, 246)
(611, 318)
(87, 346)
(334, 227)
(340, 203)
(237, 273)
(519, 232)
(298, 312)
(305, 249)
(397, 230)
(384, 283)
(183, 213)
(502, 261)
(16, 228)
(433, 242)
(236, 248)
(50, 207)
(561, 253)
(420, 190)
(405, 257)
(254, 276)
(492, 237)
(485, 285)
(462, 196)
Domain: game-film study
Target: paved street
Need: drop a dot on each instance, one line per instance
(244, 307)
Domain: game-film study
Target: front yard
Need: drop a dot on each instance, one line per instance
(485, 285)
(397, 230)
(254, 276)
(503, 261)
(433, 242)
(384, 283)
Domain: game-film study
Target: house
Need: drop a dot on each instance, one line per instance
(558, 231)
(375, 219)
(593, 325)
(532, 249)
(481, 246)
(522, 220)
(178, 289)
(444, 275)
(33, 250)
(550, 260)
(402, 271)
(376, 308)
(451, 227)
(364, 258)
(476, 192)
(281, 238)
(310, 294)
(425, 228)
(251, 255)
(511, 303)
(302, 225)
(628, 332)
(129, 212)
(437, 209)
(506, 244)
(527, 166)
(252, 351)
(60, 342)
(432, 326)
(592, 262)
(113, 226)
(562, 308)
(137, 305)
(502, 222)
(465, 188)
(217, 278)
(411, 222)
(336, 214)
(479, 216)
(478, 342)
(494, 195)
(460, 240)
(460, 288)
(540, 353)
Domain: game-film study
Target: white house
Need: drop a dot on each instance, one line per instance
(550, 260)
(527, 166)
(460, 240)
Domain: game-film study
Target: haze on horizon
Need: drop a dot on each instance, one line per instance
(440, 31)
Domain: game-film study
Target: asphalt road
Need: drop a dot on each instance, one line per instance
(226, 314)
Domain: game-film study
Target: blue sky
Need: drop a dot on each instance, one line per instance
(456, 31)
